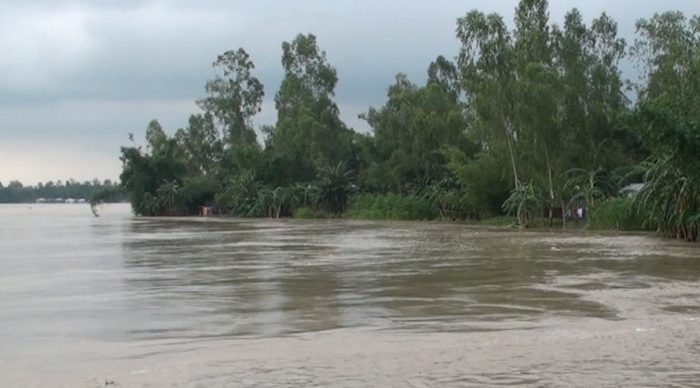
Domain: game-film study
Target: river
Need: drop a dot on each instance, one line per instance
(122, 301)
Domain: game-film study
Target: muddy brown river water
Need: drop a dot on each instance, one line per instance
(127, 302)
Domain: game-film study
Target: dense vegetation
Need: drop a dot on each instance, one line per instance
(16, 192)
(532, 121)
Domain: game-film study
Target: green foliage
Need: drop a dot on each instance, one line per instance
(484, 182)
(546, 100)
(234, 96)
(155, 136)
(524, 202)
(620, 213)
(107, 191)
(486, 62)
(200, 145)
(309, 132)
(668, 122)
(414, 125)
(198, 191)
(146, 175)
(499, 221)
(243, 196)
(447, 197)
(583, 187)
(528, 120)
(390, 207)
(335, 186)
(168, 199)
(672, 196)
(308, 213)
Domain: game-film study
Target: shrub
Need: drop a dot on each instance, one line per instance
(500, 221)
(619, 213)
(305, 212)
(390, 207)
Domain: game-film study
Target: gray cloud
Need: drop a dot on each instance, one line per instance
(94, 70)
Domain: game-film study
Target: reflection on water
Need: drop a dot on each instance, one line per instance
(201, 302)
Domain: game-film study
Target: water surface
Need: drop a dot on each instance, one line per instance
(130, 301)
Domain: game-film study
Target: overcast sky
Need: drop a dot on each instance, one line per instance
(77, 76)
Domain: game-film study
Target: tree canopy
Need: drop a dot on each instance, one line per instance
(531, 120)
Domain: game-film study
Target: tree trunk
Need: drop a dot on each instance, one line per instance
(551, 185)
(563, 214)
(511, 150)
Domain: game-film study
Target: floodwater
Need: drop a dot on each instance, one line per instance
(121, 301)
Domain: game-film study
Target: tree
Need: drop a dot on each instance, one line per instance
(143, 173)
(168, 198)
(556, 94)
(668, 121)
(335, 184)
(592, 91)
(524, 201)
(488, 76)
(444, 73)
(588, 186)
(415, 125)
(309, 132)
(537, 111)
(234, 96)
(201, 145)
(155, 137)
(483, 180)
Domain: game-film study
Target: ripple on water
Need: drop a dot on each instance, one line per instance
(226, 302)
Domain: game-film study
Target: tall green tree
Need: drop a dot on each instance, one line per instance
(537, 110)
(668, 121)
(309, 132)
(144, 173)
(488, 77)
(234, 96)
(552, 97)
(592, 91)
(415, 126)
(201, 145)
(155, 136)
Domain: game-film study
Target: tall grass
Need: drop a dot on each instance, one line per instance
(672, 195)
(390, 207)
(308, 213)
(619, 214)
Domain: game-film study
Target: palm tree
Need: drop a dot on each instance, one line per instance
(303, 195)
(672, 199)
(335, 186)
(281, 198)
(261, 205)
(167, 197)
(524, 201)
(587, 185)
